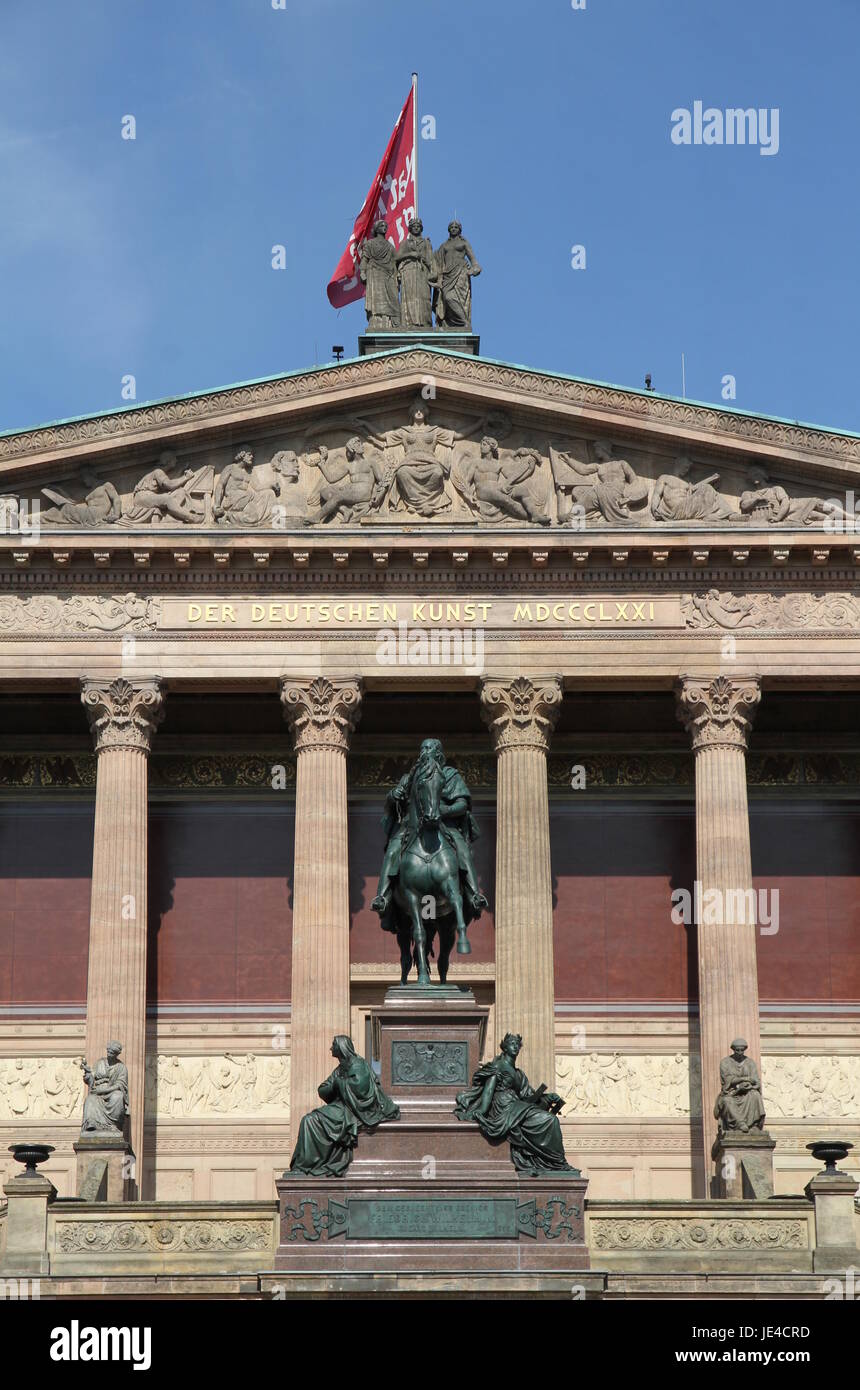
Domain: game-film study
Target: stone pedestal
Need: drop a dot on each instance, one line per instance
(123, 717)
(456, 339)
(717, 712)
(835, 1233)
(102, 1168)
(322, 715)
(521, 715)
(28, 1197)
(744, 1165)
(428, 1191)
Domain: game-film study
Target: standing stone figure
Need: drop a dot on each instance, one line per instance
(378, 273)
(416, 269)
(504, 1106)
(456, 263)
(354, 1101)
(106, 1105)
(739, 1105)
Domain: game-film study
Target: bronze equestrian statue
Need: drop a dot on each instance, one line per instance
(427, 885)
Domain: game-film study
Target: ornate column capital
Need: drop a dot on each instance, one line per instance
(123, 713)
(322, 713)
(521, 713)
(717, 711)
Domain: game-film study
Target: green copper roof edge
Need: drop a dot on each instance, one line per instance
(443, 352)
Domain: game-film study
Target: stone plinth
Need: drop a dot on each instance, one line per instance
(456, 340)
(744, 1165)
(102, 1168)
(28, 1197)
(835, 1238)
(498, 1224)
(429, 1042)
(428, 1191)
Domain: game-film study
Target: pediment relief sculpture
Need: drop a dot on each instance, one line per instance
(482, 469)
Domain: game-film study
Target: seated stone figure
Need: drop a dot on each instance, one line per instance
(739, 1105)
(504, 1106)
(106, 1105)
(355, 1101)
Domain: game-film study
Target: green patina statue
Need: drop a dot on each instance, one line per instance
(355, 1101)
(504, 1106)
(427, 884)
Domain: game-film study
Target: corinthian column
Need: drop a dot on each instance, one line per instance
(521, 715)
(718, 712)
(123, 717)
(322, 715)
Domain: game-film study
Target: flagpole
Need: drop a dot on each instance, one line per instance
(415, 137)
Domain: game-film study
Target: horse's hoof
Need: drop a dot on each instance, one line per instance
(424, 979)
(463, 947)
(379, 905)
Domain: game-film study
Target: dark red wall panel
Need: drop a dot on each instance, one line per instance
(220, 903)
(615, 867)
(46, 861)
(810, 854)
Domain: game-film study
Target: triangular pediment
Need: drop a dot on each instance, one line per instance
(427, 438)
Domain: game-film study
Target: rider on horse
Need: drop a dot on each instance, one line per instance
(457, 826)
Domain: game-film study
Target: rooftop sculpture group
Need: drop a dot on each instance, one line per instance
(404, 288)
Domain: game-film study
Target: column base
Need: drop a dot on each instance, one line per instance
(744, 1165)
(101, 1161)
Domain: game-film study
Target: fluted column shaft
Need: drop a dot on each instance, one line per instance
(123, 717)
(718, 713)
(521, 715)
(322, 715)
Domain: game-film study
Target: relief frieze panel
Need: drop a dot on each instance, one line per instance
(232, 1084)
(802, 1086)
(216, 772)
(738, 612)
(425, 464)
(79, 613)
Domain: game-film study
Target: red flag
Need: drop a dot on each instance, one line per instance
(391, 198)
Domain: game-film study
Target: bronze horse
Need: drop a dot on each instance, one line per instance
(429, 871)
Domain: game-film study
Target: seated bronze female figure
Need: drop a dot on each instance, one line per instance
(504, 1106)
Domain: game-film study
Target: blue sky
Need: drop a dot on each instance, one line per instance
(258, 126)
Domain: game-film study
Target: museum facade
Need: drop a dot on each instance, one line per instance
(227, 626)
